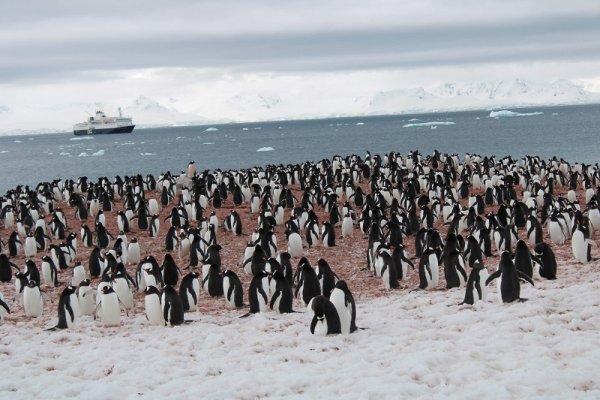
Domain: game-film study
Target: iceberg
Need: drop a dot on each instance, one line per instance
(98, 153)
(211, 129)
(81, 138)
(510, 114)
(84, 154)
(360, 123)
(266, 149)
(147, 154)
(425, 124)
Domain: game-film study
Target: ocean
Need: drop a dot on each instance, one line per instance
(569, 132)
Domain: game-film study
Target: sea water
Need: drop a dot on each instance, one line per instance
(570, 132)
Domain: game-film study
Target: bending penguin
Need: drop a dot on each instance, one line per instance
(509, 287)
(343, 302)
(326, 320)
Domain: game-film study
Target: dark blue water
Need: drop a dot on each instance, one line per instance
(571, 132)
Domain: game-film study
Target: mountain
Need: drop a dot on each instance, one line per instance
(491, 94)
(148, 112)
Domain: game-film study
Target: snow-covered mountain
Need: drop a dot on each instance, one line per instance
(463, 96)
(148, 112)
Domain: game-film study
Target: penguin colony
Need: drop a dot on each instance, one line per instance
(154, 246)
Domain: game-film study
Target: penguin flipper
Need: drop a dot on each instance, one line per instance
(493, 276)
(525, 277)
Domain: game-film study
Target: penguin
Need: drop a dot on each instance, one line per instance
(170, 270)
(6, 267)
(154, 226)
(79, 274)
(85, 296)
(21, 282)
(4, 309)
(32, 299)
(171, 239)
(535, 232)
(133, 251)
(96, 263)
(523, 259)
(102, 236)
(232, 289)
(343, 301)
(509, 288)
(556, 229)
(328, 234)
(49, 272)
(153, 306)
(312, 233)
(428, 270)
(476, 290)
(31, 271)
(282, 298)
(14, 244)
(122, 222)
(284, 259)
(122, 286)
(402, 262)
(581, 244)
(326, 320)
(212, 281)
(258, 292)
(294, 243)
(86, 236)
(454, 269)
(30, 247)
(386, 268)
(308, 285)
(109, 307)
(189, 291)
(68, 308)
(473, 252)
(548, 260)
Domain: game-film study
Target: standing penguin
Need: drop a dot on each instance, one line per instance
(509, 288)
(6, 267)
(134, 252)
(258, 292)
(32, 299)
(523, 258)
(170, 270)
(96, 262)
(476, 289)
(189, 291)
(32, 272)
(343, 302)
(85, 296)
(4, 309)
(401, 261)
(454, 269)
(282, 298)
(212, 280)
(548, 260)
(326, 320)
(581, 244)
(328, 234)
(326, 276)
(172, 307)
(308, 283)
(109, 307)
(153, 306)
(79, 274)
(294, 243)
(154, 226)
(312, 233)
(429, 273)
(68, 308)
(387, 269)
(232, 289)
(86, 236)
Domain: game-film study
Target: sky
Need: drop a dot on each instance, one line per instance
(213, 58)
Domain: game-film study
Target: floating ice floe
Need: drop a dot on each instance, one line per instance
(84, 154)
(425, 124)
(510, 114)
(63, 153)
(81, 138)
(208, 143)
(147, 154)
(98, 153)
(211, 129)
(413, 120)
(266, 149)
(360, 123)
(18, 141)
(3, 151)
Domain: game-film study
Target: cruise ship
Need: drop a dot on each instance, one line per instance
(100, 124)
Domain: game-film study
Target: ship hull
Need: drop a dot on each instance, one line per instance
(104, 131)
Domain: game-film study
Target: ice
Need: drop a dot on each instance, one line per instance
(424, 124)
(64, 153)
(211, 129)
(18, 141)
(207, 143)
(3, 151)
(83, 154)
(266, 149)
(82, 138)
(98, 153)
(147, 154)
(360, 123)
(510, 114)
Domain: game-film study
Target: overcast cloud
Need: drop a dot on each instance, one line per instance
(148, 47)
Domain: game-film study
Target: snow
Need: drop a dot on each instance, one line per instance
(417, 344)
(511, 114)
(432, 124)
(266, 149)
(211, 129)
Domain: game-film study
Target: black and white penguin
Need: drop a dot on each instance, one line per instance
(189, 291)
(122, 222)
(258, 292)
(49, 272)
(6, 267)
(294, 243)
(31, 271)
(14, 244)
(103, 237)
(308, 285)
(581, 244)
(96, 262)
(153, 306)
(454, 267)
(476, 290)
(86, 236)
(32, 299)
(78, 274)
(154, 226)
(134, 252)
(4, 309)
(232, 289)
(312, 233)
(328, 234)
(170, 270)
(326, 320)
(429, 273)
(343, 301)
(172, 307)
(386, 267)
(523, 259)
(508, 285)
(68, 308)
(548, 260)
(282, 297)
(401, 261)
(122, 285)
(212, 281)
(85, 296)
(535, 233)
(326, 277)
(30, 246)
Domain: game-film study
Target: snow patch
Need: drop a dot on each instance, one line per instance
(511, 114)
(266, 149)
(425, 124)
